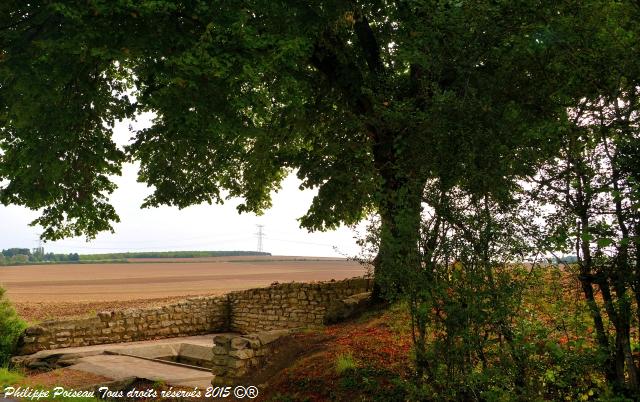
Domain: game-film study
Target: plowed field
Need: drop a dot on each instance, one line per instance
(51, 291)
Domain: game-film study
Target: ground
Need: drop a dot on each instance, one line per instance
(370, 358)
(376, 348)
(40, 292)
(364, 359)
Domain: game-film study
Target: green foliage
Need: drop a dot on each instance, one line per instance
(11, 327)
(364, 100)
(345, 363)
(366, 382)
(486, 327)
(9, 377)
(590, 186)
(403, 109)
(61, 257)
(16, 251)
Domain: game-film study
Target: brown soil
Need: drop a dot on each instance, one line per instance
(53, 291)
(42, 311)
(64, 377)
(284, 353)
(236, 258)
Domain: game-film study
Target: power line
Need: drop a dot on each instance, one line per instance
(208, 238)
(303, 242)
(39, 249)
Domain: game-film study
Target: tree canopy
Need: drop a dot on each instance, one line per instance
(357, 97)
(366, 101)
(386, 107)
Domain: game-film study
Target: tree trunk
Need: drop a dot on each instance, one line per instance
(398, 258)
(626, 367)
(399, 206)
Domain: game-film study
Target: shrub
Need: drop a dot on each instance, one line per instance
(11, 327)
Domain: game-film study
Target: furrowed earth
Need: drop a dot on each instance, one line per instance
(41, 292)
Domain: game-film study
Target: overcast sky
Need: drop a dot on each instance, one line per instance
(202, 227)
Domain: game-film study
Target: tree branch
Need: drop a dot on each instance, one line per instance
(369, 43)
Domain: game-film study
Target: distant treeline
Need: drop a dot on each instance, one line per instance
(24, 256)
(168, 254)
(14, 256)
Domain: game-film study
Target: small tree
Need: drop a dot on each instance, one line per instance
(468, 293)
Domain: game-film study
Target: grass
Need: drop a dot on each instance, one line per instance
(9, 377)
(345, 363)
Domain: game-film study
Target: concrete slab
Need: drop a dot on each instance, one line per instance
(109, 360)
(204, 340)
(121, 367)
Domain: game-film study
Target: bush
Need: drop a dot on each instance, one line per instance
(11, 327)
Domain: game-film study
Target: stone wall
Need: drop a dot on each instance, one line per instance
(235, 356)
(280, 306)
(290, 305)
(193, 316)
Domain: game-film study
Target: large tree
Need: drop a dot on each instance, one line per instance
(365, 100)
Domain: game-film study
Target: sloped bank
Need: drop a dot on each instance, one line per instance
(280, 306)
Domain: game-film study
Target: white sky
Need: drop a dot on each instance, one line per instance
(202, 227)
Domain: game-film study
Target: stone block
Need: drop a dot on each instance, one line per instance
(220, 360)
(238, 343)
(237, 373)
(105, 315)
(242, 354)
(164, 331)
(270, 336)
(35, 330)
(222, 340)
(236, 363)
(254, 342)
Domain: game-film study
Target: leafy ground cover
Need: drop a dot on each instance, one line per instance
(366, 359)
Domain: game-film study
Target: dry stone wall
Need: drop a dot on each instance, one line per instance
(189, 317)
(280, 306)
(290, 305)
(235, 356)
